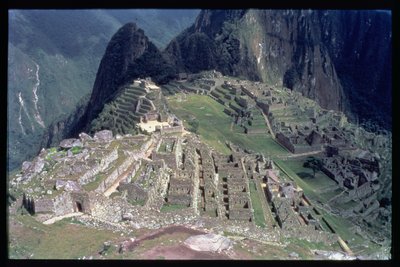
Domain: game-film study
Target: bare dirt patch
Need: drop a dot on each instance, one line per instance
(164, 231)
(170, 250)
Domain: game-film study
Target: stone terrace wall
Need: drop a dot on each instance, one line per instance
(284, 140)
(63, 204)
(89, 175)
(158, 191)
(116, 174)
(310, 234)
(44, 205)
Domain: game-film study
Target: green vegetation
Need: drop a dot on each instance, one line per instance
(172, 207)
(304, 178)
(115, 194)
(95, 183)
(61, 240)
(256, 203)
(194, 125)
(313, 163)
(51, 152)
(303, 247)
(76, 150)
(215, 126)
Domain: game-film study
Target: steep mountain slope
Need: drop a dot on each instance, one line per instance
(53, 54)
(53, 58)
(129, 55)
(339, 58)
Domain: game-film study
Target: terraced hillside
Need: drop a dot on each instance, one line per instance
(123, 113)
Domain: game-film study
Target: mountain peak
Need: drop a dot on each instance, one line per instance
(129, 55)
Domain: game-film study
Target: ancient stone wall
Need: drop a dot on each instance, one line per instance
(63, 204)
(309, 233)
(44, 205)
(104, 162)
(134, 192)
(172, 129)
(158, 191)
(285, 141)
(180, 199)
(169, 159)
(298, 149)
(107, 182)
(81, 202)
(240, 214)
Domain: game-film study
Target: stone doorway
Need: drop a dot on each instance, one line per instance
(78, 207)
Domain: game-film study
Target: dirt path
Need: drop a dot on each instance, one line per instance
(168, 230)
(305, 154)
(267, 122)
(69, 215)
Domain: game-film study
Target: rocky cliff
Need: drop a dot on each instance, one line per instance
(342, 59)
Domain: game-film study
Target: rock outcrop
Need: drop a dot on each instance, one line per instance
(209, 242)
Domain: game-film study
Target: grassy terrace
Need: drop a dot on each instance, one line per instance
(342, 226)
(215, 126)
(172, 207)
(256, 203)
(319, 183)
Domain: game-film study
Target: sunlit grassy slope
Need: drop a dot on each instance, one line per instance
(215, 126)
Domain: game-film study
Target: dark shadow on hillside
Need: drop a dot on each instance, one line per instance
(305, 175)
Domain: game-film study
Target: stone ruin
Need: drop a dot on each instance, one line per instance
(357, 175)
(293, 212)
(167, 168)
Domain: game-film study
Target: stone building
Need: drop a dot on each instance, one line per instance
(180, 191)
(170, 150)
(356, 175)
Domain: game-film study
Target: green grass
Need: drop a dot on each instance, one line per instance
(60, 240)
(342, 227)
(215, 126)
(304, 247)
(320, 181)
(308, 189)
(51, 152)
(76, 150)
(172, 207)
(256, 203)
(95, 183)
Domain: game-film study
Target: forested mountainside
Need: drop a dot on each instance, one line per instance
(53, 58)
